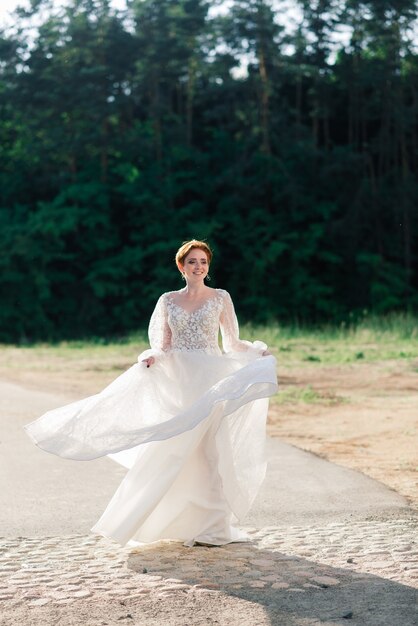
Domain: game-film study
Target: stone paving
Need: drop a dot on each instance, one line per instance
(63, 570)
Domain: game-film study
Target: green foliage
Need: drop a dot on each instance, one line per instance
(123, 134)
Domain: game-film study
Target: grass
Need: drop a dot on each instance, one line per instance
(307, 395)
(372, 339)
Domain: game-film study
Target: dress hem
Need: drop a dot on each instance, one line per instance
(271, 388)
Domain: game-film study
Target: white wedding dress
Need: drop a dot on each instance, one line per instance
(191, 429)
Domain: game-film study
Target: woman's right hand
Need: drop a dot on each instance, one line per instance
(150, 361)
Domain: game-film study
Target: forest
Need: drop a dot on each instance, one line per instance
(294, 153)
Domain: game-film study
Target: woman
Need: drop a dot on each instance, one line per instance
(187, 420)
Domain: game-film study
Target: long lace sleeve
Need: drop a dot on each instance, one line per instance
(230, 331)
(159, 332)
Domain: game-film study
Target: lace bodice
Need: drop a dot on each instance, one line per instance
(173, 328)
(195, 330)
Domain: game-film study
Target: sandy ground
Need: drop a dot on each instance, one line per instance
(366, 418)
(364, 415)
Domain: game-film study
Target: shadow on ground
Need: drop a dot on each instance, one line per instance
(291, 590)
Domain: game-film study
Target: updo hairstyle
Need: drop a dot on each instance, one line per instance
(184, 250)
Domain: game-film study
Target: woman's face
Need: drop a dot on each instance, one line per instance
(195, 265)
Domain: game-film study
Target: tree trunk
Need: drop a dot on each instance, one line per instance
(190, 101)
(299, 91)
(315, 111)
(406, 218)
(265, 103)
(156, 117)
(104, 160)
(375, 205)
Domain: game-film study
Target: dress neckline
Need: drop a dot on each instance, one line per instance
(199, 308)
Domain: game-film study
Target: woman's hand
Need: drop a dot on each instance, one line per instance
(266, 353)
(150, 361)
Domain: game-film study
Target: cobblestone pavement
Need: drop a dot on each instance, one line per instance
(64, 570)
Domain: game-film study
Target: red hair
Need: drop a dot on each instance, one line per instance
(184, 250)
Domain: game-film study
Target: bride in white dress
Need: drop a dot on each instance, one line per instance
(187, 420)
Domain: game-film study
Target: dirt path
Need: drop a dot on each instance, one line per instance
(365, 417)
(298, 486)
(362, 415)
(326, 545)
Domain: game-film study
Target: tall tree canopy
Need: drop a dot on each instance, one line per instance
(124, 133)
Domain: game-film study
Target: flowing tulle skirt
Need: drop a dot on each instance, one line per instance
(191, 430)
